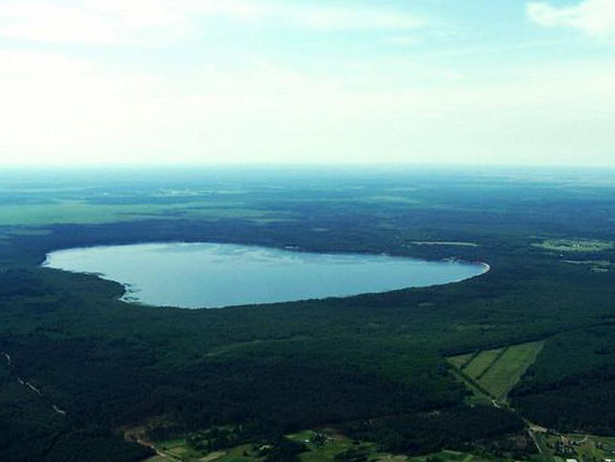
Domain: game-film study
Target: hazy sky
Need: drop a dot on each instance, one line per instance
(300, 81)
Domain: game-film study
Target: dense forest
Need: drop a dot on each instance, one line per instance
(77, 365)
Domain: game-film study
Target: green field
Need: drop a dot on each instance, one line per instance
(498, 370)
(509, 368)
(481, 362)
(575, 245)
(335, 445)
(478, 395)
(461, 361)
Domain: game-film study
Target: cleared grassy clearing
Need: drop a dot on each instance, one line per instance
(461, 361)
(177, 450)
(496, 371)
(478, 396)
(482, 361)
(508, 369)
(575, 245)
(335, 444)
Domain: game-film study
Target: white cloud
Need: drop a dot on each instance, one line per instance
(346, 18)
(401, 41)
(61, 110)
(84, 22)
(298, 13)
(593, 17)
(113, 22)
(47, 21)
(227, 103)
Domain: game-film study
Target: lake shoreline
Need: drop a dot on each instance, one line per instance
(414, 271)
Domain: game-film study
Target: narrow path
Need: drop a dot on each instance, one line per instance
(32, 388)
(536, 432)
(58, 410)
(538, 446)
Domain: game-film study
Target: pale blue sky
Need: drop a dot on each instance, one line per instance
(307, 81)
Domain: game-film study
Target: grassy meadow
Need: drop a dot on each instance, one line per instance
(498, 370)
(479, 365)
(337, 447)
(504, 373)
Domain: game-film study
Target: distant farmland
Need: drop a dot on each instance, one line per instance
(498, 370)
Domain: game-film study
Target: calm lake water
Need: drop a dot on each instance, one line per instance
(216, 275)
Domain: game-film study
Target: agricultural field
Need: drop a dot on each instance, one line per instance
(462, 360)
(180, 449)
(576, 245)
(483, 361)
(337, 447)
(459, 456)
(498, 370)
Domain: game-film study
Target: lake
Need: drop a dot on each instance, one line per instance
(204, 275)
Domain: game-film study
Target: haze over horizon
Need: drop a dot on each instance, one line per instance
(164, 82)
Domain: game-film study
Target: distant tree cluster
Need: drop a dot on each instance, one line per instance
(458, 428)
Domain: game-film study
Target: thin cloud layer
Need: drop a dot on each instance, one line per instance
(117, 22)
(84, 22)
(592, 17)
(304, 81)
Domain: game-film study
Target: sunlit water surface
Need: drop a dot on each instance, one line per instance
(201, 275)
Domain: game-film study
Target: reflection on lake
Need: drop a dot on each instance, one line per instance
(197, 275)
